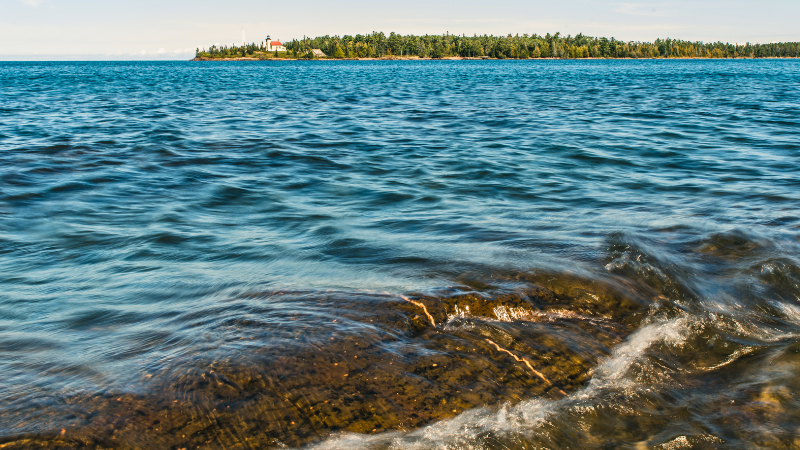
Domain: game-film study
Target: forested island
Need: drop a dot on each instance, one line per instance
(396, 46)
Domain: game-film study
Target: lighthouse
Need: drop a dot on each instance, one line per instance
(274, 45)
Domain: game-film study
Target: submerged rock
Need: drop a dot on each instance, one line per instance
(384, 363)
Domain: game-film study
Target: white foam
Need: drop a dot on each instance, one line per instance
(672, 332)
(738, 318)
(507, 314)
(468, 430)
(790, 312)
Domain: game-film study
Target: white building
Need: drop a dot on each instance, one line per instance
(275, 45)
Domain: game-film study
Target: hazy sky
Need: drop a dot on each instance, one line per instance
(172, 29)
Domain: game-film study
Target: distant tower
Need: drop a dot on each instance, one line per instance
(244, 39)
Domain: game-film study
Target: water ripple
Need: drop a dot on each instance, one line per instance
(184, 233)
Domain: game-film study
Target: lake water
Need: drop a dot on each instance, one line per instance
(397, 254)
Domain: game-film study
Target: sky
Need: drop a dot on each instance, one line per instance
(173, 29)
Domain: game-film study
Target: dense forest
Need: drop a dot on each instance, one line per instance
(378, 45)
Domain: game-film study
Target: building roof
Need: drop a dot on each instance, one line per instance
(274, 43)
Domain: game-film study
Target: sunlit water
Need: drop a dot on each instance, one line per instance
(190, 254)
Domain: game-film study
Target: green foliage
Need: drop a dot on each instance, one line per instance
(379, 45)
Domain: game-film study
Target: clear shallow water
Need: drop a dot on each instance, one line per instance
(159, 220)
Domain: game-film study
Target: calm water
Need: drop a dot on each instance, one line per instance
(524, 254)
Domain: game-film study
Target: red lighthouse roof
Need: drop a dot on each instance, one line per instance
(274, 43)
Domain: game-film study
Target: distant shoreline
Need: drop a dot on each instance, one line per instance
(380, 46)
(467, 58)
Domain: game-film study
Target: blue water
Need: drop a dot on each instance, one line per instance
(138, 199)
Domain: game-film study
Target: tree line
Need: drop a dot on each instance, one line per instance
(378, 45)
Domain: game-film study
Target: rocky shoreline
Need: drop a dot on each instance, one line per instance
(480, 349)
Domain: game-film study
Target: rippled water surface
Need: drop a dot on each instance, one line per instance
(396, 254)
